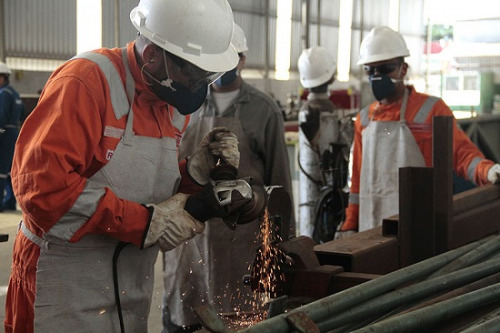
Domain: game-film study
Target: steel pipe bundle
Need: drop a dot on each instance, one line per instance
(321, 310)
(417, 291)
(433, 314)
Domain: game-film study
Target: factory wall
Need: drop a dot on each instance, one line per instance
(41, 34)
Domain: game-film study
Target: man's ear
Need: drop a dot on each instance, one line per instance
(242, 61)
(151, 56)
(404, 69)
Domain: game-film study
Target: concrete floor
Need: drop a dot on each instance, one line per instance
(8, 225)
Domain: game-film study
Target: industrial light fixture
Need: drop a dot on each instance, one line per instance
(344, 47)
(88, 25)
(283, 39)
(393, 15)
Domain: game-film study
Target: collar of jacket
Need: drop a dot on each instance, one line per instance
(243, 96)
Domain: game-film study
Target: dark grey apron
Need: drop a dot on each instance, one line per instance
(212, 265)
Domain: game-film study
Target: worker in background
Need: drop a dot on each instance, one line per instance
(325, 138)
(97, 176)
(11, 110)
(396, 131)
(211, 267)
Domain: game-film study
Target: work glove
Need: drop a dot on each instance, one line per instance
(494, 174)
(218, 144)
(171, 224)
(204, 205)
(228, 202)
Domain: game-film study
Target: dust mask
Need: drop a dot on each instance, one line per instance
(183, 99)
(383, 86)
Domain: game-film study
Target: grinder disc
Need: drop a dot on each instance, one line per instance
(259, 203)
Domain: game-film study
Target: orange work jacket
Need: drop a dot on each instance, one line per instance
(468, 161)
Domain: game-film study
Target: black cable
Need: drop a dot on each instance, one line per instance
(118, 249)
(315, 181)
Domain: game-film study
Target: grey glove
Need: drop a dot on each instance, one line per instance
(171, 225)
(494, 174)
(219, 143)
(204, 205)
(220, 199)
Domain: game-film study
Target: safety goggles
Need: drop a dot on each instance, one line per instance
(382, 69)
(192, 76)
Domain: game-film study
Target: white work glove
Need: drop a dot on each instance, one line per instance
(171, 225)
(219, 143)
(494, 174)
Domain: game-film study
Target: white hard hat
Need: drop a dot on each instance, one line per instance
(4, 69)
(382, 43)
(316, 67)
(239, 40)
(197, 31)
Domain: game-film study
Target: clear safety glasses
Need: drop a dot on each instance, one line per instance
(382, 69)
(190, 75)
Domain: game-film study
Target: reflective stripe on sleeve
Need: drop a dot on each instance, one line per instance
(471, 170)
(354, 198)
(82, 210)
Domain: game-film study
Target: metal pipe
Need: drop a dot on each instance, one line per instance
(489, 323)
(410, 294)
(319, 23)
(345, 299)
(482, 251)
(2, 31)
(487, 281)
(267, 48)
(425, 318)
(117, 23)
(305, 22)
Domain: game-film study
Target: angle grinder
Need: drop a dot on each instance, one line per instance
(244, 201)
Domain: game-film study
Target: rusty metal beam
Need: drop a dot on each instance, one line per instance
(475, 223)
(464, 201)
(442, 165)
(362, 252)
(416, 223)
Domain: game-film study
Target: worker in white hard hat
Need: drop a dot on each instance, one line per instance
(11, 111)
(325, 138)
(211, 266)
(97, 176)
(396, 131)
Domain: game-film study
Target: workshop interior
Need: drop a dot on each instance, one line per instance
(433, 266)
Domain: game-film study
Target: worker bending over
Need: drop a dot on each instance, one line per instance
(97, 176)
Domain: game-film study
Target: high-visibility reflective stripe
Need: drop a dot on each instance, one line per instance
(83, 208)
(422, 114)
(354, 198)
(117, 92)
(364, 116)
(420, 117)
(32, 237)
(86, 204)
(471, 170)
